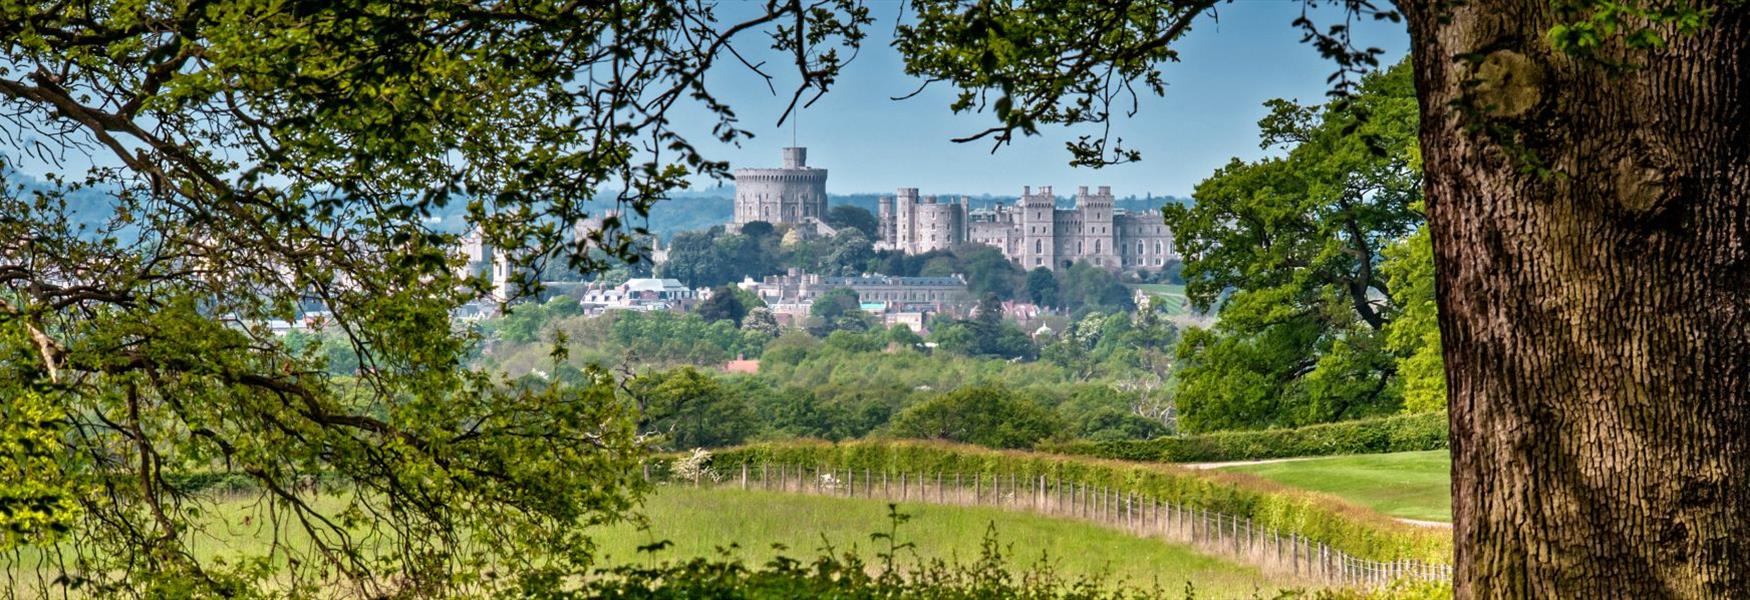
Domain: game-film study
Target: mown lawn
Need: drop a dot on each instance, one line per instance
(1171, 297)
(1412, 485)
(699, 522)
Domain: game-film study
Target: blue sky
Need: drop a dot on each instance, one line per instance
(1229, 67)
(1214, 99)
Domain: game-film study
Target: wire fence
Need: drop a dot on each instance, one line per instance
(1275, 552)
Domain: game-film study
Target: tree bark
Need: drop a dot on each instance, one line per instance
(1596, 320)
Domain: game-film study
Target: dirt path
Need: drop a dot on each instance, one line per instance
(1421, 523)
(1241, 463)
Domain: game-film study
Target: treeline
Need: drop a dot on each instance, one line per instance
(964, 382)
(1399, 433)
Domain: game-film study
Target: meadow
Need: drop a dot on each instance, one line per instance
(700, 522)
(1411, 485)
(1172, 296)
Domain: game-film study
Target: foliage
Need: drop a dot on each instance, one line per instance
(723, 305)
(1084, 287)
(986, 270)
(656, 338)
(1042, 287)
(524, 322)
(986, 334)
(334, 352)
(1361, 533)
(1414, 336)
(761, 321)
(850, 254)
(853, 217)
(1293, 247)
(713, 258)
(993, 417)
(902, 336)
(837, 309)
(691, 409)
(1587, 25)
(1114, 345)
(37, 505)
(1398, 433)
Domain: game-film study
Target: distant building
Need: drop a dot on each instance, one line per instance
(794, 194)
(879, 292)
(639, 294)
(742, 366)
(1034, 232)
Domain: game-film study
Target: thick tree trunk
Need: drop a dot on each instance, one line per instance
(1596, 320)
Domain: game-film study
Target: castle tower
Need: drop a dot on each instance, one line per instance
(1038, 228)
(792, 194)
(886, 229)
(1097, 237)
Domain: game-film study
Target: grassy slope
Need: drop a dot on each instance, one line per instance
(1175, 301)
(1413, 485)
(700, 521)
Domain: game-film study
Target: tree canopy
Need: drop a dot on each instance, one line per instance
(258, 159)
(1293, 249)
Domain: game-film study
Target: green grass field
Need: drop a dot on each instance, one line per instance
(698, 522)
(1174, 301)
(1412, 485)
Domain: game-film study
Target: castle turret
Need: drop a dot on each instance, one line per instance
(795, 158)
(792, 194)
(1038, 228)
(1096, 237)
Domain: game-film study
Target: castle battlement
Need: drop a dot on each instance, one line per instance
(793, 194)
(1033, 232)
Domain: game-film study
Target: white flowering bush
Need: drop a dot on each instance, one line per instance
(696, 467)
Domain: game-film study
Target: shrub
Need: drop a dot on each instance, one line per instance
(988, 416)
(1401, 433)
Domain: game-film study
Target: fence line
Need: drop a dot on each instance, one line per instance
(1282, 554)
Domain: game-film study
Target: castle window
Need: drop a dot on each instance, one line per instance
(1157, 247)
(1096, 246)
(1038, 246)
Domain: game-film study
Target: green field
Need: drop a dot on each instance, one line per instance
(1174, 302)
(1411, 485)
(700, 521)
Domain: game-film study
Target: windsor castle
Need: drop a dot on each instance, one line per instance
(1034, 232)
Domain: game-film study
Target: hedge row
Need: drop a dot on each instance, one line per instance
(1355, 530)
(1402, 433)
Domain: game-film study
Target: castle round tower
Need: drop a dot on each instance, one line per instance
(792, 194)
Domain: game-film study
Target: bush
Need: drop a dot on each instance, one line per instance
(1401, 433)
(988, 416)
(1359, 532)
